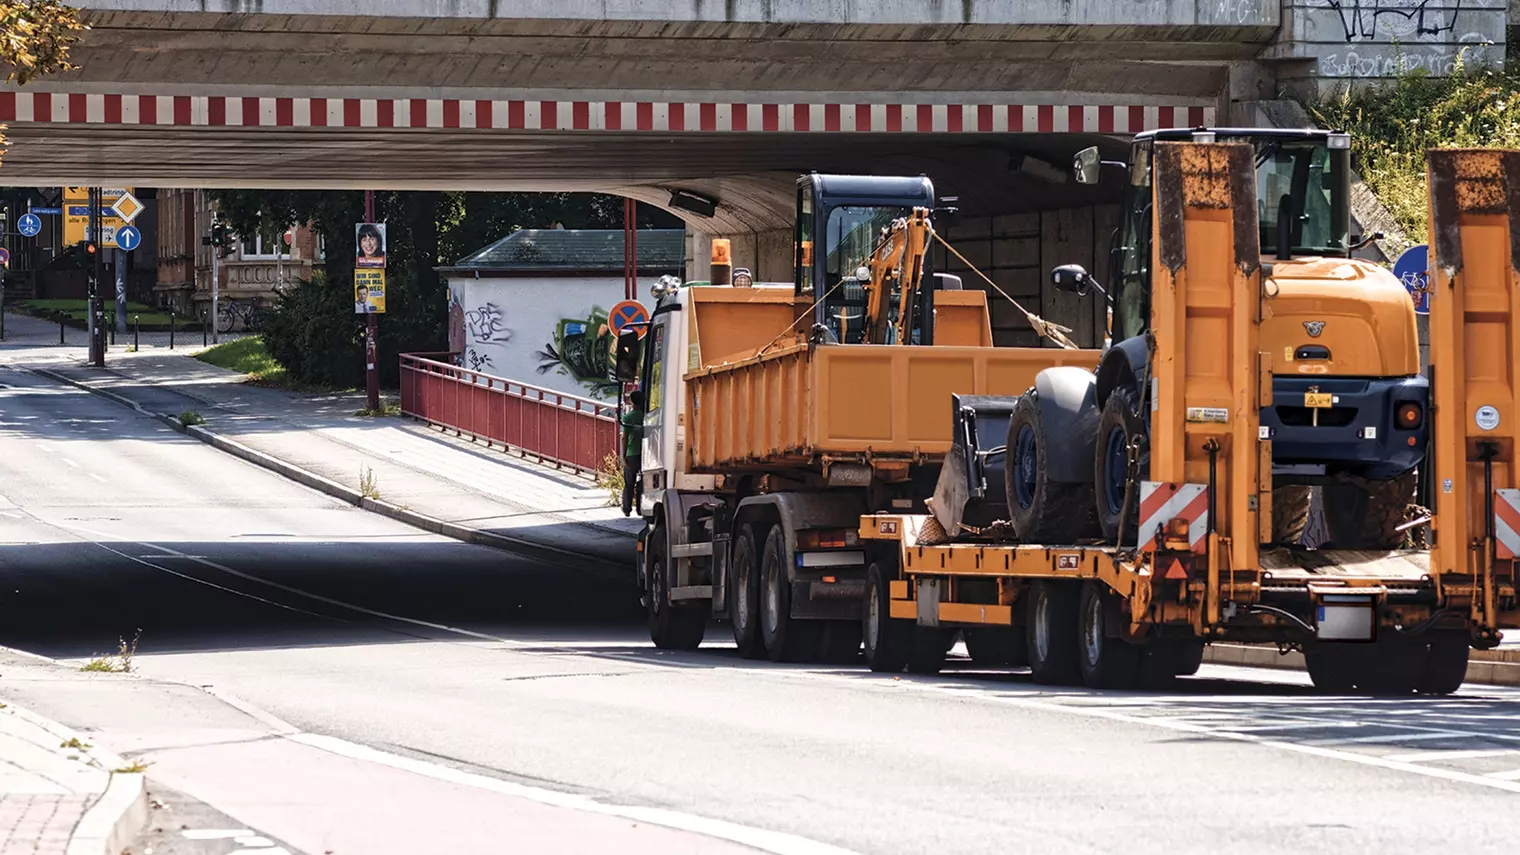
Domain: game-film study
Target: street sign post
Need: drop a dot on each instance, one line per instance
(1413, 269)
(30, 225)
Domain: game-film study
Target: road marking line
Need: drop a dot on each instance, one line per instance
(1442, 756)
(45, 447)
(70, 462)
(97, 478)
(1512, 775)
(1306, 725)
(1395, 737)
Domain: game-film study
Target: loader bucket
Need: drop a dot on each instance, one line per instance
(970, 491)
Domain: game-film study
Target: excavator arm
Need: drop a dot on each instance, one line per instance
(897, 265)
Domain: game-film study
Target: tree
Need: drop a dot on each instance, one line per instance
(35, 38)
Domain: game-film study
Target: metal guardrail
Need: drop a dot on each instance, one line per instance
(551, 427)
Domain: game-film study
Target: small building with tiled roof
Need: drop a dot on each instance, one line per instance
(533, 306)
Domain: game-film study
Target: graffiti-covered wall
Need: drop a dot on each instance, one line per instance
(549, 332)
(1355, 41)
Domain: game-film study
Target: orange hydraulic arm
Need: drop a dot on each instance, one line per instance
(898, 262)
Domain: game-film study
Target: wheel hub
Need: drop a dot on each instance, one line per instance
(1042, 628)
(1026, 467)
(1092, 631)
(1116, 465)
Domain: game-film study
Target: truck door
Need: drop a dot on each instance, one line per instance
(655, 450)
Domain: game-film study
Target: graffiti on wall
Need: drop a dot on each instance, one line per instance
(1395, 20)
(580, 349)
(469, 330)
(1393, 37)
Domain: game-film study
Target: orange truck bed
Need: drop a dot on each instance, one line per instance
(798, 405)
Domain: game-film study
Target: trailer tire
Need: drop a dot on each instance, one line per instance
(1106, 662)
(997, 647)
(1331, 667)
(1367, 514)
(839, 642)
(887, 639)
(1118, 424)
(672, 626)
(1165, 659)
(1445, 666)
(1394, 667)
(926, 652)
(744, 595)
(1042, 510)
(1052, 633)
(786, 639)
(1290, 513)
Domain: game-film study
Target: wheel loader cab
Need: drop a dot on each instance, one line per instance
(847, 214)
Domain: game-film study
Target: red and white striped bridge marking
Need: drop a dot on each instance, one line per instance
(1161, 502)
(214, 111)
(1507, 523)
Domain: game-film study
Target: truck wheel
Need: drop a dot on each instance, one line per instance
(839, 642)
(1052, 633)
(926, 653)
(1394, 667)
(1332, 667)
(1042, 510)
(786, 639)
(1165, 659)
(1445, 664)
(1107, 663)
(1118, 424)
(887, 639)
(1290, 513)
(672, 626)
(744, 595)
(1365, 515)
(997, 647)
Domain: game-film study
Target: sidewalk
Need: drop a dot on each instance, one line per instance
(59, 795)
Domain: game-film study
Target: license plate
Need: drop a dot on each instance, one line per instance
(1317, 400)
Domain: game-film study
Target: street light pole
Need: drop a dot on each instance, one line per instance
(371, 330)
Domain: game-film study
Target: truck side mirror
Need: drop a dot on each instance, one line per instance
(1072, 279)
(1087, 165)
(626, 363)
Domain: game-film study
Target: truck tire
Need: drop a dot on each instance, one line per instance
(1118, 423)
(1394, 667)
(1165, 659)
(1106, 662)
(839, 642)
(1042, 510)
(786, 639)
(1290, 513)
(1052, 633)
(1445, 663)
(744, 593)
(1332, 667)
(926, 652)
(997, 647)
(1365, 515)
(672, 626)
(887, 639)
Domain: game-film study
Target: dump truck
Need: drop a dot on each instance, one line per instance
(1198, 464)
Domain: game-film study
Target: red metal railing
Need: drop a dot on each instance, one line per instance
(568, 431)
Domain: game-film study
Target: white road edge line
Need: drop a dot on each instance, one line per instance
(99, 478)
(1439, 756)
(776, 842)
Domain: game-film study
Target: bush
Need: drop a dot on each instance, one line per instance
(1392, 126)
(313, 332)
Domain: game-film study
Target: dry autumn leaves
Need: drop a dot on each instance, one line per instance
(35, 38)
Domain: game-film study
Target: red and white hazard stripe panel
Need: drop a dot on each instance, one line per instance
(530, 115)
(1161, 502)
(1507, 523)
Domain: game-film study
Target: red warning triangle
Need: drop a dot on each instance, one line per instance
(1175, 571)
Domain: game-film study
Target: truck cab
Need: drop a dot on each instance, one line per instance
(1349, 409)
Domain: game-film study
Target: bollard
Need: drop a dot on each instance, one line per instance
(171, 330)
(60, 327)
(113, 332)
(205, 331)
(136, 332)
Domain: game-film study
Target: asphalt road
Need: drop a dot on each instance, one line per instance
(339, 682)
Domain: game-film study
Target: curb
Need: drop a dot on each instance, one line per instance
(307, 478)
(119, 814)
(1497, 671)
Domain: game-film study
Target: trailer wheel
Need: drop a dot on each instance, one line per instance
(1042, 510)
(1367, 514)
(926, 652)
(997, 647)
(887, 639)
(1332, 667)
(1165, 659)
(1118, 424)
(1052, 633)
(1394, 667)
(1106, 662)
(672, 626)
(786, 639)
(1290, 513)
(744, 595)
(839, 642)
(1445, 664)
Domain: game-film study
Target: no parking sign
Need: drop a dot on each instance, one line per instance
(629, 313)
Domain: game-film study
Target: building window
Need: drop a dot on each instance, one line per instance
(265, 244)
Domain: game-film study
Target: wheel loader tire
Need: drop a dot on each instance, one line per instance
(1118, 423)
(1332, 667)
(926, 652)
(1394, 667)
(887, 639)
(1052, 633)
(672, 625)
(1164, 660)
(1366, 515)
(786, 638)
(1042, 510)
(997, 647)
(744, 592)
(1290, 513)
(1106, 662)
(1445, 663)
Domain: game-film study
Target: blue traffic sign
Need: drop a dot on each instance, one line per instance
(1413, 269)
(629, 313)
(30, 225)
(128, 238)
(53, 211)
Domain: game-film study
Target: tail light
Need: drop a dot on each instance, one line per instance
(827, 539)
(1409, 416)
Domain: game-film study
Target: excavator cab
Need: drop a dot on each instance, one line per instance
(839, 225)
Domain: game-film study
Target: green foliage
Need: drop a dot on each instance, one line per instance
(313, 333)
(246, 356)
(1392, 126)
(35, 38)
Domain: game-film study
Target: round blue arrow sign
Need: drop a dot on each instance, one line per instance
(128, 238)
(30, 225)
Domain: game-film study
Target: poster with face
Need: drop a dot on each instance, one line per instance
(369, 245)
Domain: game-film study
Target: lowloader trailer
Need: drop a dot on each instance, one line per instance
(1201, 566)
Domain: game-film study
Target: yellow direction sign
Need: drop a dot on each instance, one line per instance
(76, 214)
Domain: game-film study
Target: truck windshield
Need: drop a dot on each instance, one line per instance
(850, 236)
(1309, 183)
